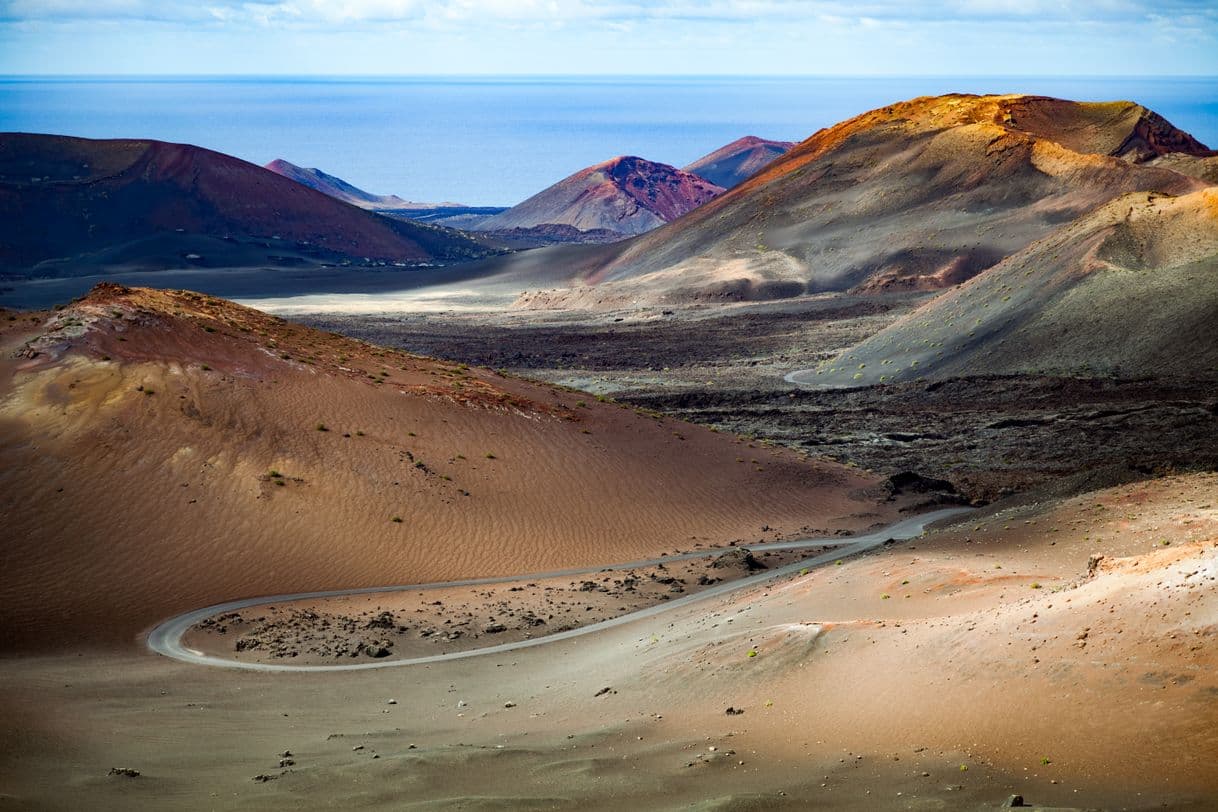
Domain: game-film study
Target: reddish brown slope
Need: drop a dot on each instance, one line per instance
(83, 202)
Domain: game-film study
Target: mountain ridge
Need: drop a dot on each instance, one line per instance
(921, 194)
(73, 205)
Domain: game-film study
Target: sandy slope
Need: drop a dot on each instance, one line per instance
(163, 450)
(965, 684)
(1130, 290)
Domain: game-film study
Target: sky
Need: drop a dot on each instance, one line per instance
(610, 37)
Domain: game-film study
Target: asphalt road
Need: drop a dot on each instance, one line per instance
(166, 638)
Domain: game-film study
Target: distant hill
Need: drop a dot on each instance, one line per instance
(1130, 290)
(628, 195)
(341, 190)
(919, 195)
(71, 206)
(735, 163)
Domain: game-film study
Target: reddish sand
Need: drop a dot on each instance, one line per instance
(935, 675)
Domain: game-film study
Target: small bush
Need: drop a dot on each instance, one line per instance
(322, 427)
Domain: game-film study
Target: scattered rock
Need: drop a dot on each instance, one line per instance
(739, 558)
(385, 620)
(125, 772)
(604, 691)
(734, 711)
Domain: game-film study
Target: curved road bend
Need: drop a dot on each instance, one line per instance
(166, 638)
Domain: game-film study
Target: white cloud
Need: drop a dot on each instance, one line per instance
(339, 12)
(749, 36)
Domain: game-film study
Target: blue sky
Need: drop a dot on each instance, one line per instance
(682, 37)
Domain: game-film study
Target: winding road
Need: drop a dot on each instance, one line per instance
(166, 638)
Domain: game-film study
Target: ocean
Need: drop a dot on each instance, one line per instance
(495, 141)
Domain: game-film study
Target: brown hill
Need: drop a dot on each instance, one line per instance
(738, 161)
(339, 189)
(165, 450)
(917, 195)
(72, 205)
(627, 194)
(1130, 290)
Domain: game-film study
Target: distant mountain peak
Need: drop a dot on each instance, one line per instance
(338, 188)
(734, 163)
(627, 194)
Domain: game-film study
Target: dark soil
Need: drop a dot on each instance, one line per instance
(989, 436)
